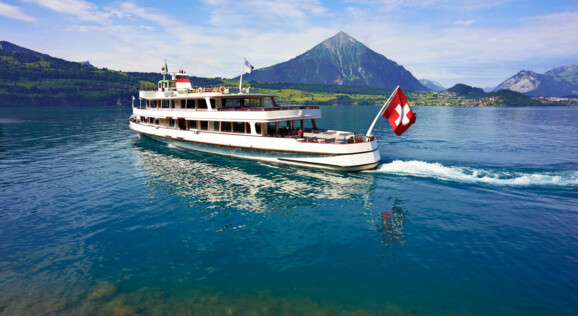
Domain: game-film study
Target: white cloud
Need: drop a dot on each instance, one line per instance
(128, 9)
(484, 54)
(465, 23)
(261, 13)
(463, 48)
(461, 5)
(79, 9)
(15, 13)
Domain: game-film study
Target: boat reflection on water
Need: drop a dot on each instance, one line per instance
(392, 230)
(231, 183)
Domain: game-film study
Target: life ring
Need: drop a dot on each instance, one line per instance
(222, 89)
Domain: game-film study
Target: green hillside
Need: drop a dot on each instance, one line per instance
(513, 98)
(27, 79)
(467, 91)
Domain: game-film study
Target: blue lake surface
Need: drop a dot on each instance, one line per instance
(473, 211)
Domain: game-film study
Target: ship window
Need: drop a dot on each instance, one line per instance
(190, 104)
(271, 128)
(269, 102)
(258, 128)
(192, 124)
(231, 103)
(165, 103)
(202, 104)
(171, 122)
(204, 125)
(213, 102)
(226, 127)
(182, 124)
(285, 124)
(252, 102)
(157, 122)
(238, 127)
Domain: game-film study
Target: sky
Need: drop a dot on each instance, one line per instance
(479, 43)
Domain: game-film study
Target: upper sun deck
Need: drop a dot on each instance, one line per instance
(200, 93)
(180, 87)
(178, 98)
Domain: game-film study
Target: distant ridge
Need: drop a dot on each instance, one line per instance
(467, 91)
(558, 82)
(17, 49)
(432, 85)
(339, 60)
(502, 97)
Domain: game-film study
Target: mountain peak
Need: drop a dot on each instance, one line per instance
(433, 85)
(340, 60)
(340, 41)
(560, 81)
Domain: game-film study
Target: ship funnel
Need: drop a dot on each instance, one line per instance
(183, 81)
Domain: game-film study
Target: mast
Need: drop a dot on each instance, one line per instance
(381, 112)
(241, 79)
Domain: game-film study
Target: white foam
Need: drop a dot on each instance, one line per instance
(424, 169)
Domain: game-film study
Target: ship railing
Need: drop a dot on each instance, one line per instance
(267, 108)
(197, 89)
(325, 136)
(277, 108)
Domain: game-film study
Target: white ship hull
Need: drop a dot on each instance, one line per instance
(286, 150)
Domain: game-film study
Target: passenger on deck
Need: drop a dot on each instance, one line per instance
(300, 133)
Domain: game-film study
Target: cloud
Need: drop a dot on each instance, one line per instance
(460, 5)
(476, 52)
(130, 9)
(270, 14)
(15, 13)
(432, 40)
(465, 23)
(79, 9)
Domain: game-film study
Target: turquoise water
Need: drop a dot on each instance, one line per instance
(473, 211)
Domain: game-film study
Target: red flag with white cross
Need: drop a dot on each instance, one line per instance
(399, 114)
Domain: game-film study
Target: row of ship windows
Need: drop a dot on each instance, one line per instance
(227, 127)
(231, 127)
(202, 104)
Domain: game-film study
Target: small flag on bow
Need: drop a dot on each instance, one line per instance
(247, 67)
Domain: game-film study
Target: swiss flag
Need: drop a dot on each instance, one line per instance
(399, 114)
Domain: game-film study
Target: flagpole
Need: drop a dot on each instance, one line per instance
(381, 112)
(241, 80)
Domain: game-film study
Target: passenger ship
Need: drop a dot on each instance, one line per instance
(248, 125)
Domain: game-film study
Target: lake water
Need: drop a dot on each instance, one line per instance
(473, 211)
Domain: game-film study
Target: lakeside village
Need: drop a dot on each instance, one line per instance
(572, 101)
(447, 98)
(427, 98)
